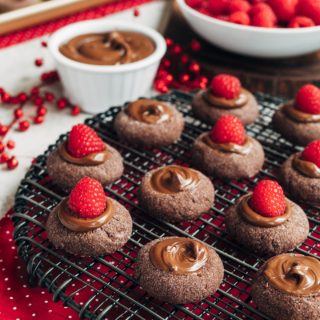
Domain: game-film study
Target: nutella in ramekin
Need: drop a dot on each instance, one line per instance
(110, 48)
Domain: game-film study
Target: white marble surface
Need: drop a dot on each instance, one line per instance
(18, 73)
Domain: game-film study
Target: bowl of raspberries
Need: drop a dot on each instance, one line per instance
(257, 28)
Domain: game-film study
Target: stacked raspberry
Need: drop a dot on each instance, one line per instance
(262, 13)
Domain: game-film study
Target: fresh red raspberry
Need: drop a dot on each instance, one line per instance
(268, 199)
(308, 99)
(228, 129)
(194, 3)
(301, 22)
(83, 141)
(262, 15)
(312, 152)
(240, 17)
(310, 9)
(285, 10)
(226, 86)
(87, 199)
(239, 5)
(218, 7)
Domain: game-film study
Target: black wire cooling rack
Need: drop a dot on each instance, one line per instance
(104, 287)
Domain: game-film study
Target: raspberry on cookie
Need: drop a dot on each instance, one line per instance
(300, 173)
(225, 96)
(88, 223)
(299, 121)
(227, 152)
(84, 153)
(267, 222)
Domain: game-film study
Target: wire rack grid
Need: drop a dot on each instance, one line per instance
(105, 287)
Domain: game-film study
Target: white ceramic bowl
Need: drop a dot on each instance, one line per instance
(252, 41)
(95, 88)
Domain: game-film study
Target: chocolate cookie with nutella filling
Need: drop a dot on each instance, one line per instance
(178, 270)
(288, 287)
(225, 96)
(227, 152)
(266, 222)
(299, 121)
(148, 122)
(88, 223)
(300, 173)
(84, 154)
(176, 193)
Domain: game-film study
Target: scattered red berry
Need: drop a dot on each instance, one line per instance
(136, 12)
(194, 67)
(195, 45)
(44, 44)
(226, 86)
(240, 17)
(184, 78)
(301, 22)
(176, 49)
(38, 119)
(3, 130)
(312, 152)
(75, 110)
(22, 97)
(228, 129)
(285, 10)
(310, 9)
(12, 163)
(169, 42)
(24, 125)
(38, 101)
(35, 91)
(41, 111)
(83, 141)
(62, 103)
(87, 199)
(4, 158)
(11, 144)
(268, 199)
(49, 96)
(6, 98)
(38, 62)
(308, 99)
(18, 113)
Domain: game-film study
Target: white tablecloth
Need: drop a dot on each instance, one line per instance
(18, 73)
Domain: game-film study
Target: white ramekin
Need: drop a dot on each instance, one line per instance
(96, 88)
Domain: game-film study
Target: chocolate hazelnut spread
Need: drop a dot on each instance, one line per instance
(111, 48)
(174, 179)
(307, 168)
(229, 147)
(300, 116)
(180, 256)
(74, 223)
(224, 103)
(92, 159)
(149, 111)
(294, 274)
(257, 219)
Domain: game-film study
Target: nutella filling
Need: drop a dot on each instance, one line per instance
(111, 48)
(229, 147)
(294, 274)
(74, 223)
(257, 219)
(300, 116)
(92, 159)
(174, 179)
(224, 103)
(179, 255)
(306, 168)
(149, 111)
